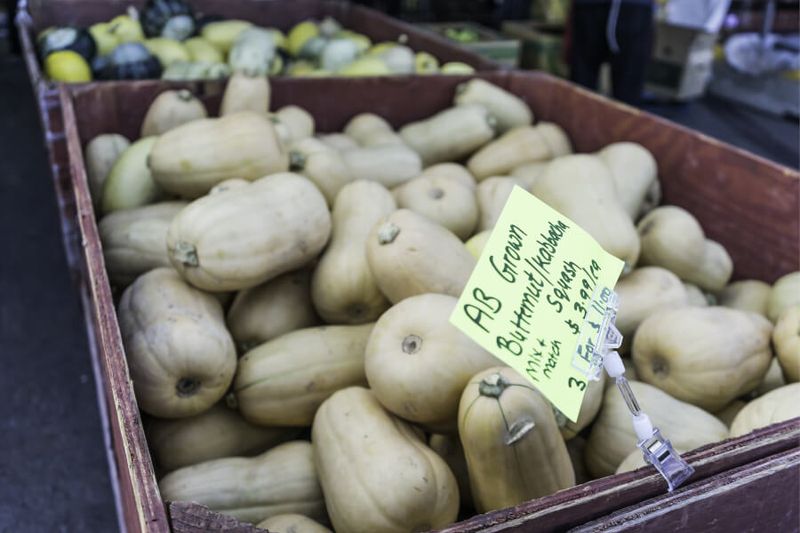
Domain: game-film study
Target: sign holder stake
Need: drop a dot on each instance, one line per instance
(597, 349)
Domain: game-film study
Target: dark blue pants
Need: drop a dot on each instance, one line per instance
(590, 47)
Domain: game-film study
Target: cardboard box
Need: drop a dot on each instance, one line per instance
(746, 203)
(681, 63)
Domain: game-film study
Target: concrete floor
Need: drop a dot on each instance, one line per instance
(53, 469)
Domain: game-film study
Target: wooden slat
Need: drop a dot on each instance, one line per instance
(762, 496)
(580, 504)
(188, 517)
(141, 500)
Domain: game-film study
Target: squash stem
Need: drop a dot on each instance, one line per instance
(186, 253)
(387, 233)
(493, 385)
(297, 161)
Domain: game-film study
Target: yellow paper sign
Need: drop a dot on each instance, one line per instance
(531, 293)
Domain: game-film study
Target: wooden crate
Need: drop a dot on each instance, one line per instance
(35, 15)
(748, 204)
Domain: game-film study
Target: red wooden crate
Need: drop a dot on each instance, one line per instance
(748, 204)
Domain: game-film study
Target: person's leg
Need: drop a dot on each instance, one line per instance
(635, 38)
(588, 43)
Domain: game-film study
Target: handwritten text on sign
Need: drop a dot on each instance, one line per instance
(529, 295)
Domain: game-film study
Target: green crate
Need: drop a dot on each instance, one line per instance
(542, 45)
(489, 43)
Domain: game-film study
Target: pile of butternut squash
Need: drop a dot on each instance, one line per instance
(285, 297)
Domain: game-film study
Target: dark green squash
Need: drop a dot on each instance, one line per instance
(78, 40)
(172, 19)
(128, 61)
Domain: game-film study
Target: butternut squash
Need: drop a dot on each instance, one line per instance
(99, 156)
(555, 138)
(297, 120)
(772, 379)
(242, 237)
(417, 363)
(338, 141)
(227, 185)
(673, 239)
(786, 340)
(169, 110)
(592, 401)
(643, 292)
(390, 165)
(181, 357)
(706, 356)
(292, 523)
(322, 165)
(213, 434)
(576, 448)
(714, 270)
(634, 170)
(368, 129)
(516, 147)
(190, 159)
(477, 243)
(440, 262)
(343, 288)
(492, 194)
(528, 173)
(448, 447)
(443, 199)
(129, 183)
(612, 437)
(450, 134)
(452, 171)
(376, 472)
(509, 110)
(513, 448)
(776, 406)
(695, 296)
(730, 411)
(279, 481)
(135, 240)
(746, 295)
(785, 294)
(282, 382)
(266, 311)
(581, 188)
(245, 93)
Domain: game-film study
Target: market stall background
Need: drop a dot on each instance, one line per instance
(54, 461)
